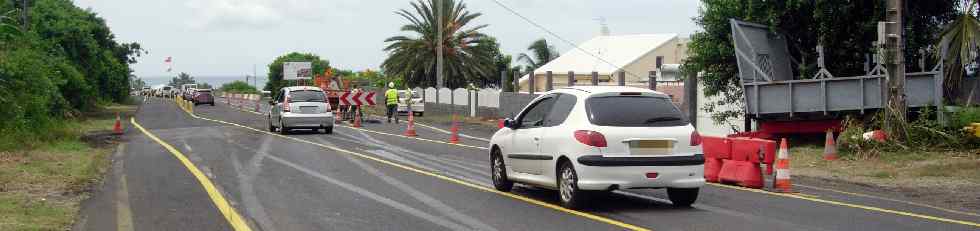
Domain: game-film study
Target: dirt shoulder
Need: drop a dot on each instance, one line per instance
(949, 179)
(41, 188)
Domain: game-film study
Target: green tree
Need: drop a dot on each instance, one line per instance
(845, 28)
(542, 53)
(238, 86)
(8, 26)
(275, 69)
(181, 79)
(465, 54)
(960, 40)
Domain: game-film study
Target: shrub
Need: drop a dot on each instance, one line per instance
(238, 86)
(965, 116)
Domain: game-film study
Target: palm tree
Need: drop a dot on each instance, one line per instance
(542, 53)
(7, 27)
(467, 53)
(958, 48)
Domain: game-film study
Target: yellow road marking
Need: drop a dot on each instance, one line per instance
(234, 219)
(844, 204)
(890, 199)
(806, 197)
(445, 178)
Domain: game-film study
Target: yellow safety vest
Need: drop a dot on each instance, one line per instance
(391, 96)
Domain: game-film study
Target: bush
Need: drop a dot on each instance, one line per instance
(965, 116)
(238, 86)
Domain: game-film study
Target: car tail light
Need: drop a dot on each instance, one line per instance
(591, 138)
(695, 138)
(653, 175)
(285, 104)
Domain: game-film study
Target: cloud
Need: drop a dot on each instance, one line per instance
(256, 14)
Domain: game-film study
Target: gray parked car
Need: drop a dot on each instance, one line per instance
(300, 108)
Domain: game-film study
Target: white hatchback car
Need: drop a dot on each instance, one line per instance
(301, 107)
(585, 139)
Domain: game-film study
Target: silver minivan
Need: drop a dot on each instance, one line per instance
(300, 107)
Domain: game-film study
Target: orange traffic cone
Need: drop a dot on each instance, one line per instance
(357, 119)
(410, 131)
(782, 183)
(454, 134)
(117, 129)
(830, 147)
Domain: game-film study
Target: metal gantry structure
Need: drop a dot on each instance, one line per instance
(773, 92)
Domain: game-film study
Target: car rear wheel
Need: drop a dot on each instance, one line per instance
(499, 172)
(569, 194)
(271, 128)
(282, 128)
(328, 130)
(682, 197)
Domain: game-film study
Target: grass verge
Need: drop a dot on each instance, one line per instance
(43, 182)
(920, 168)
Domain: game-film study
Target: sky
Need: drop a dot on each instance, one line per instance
(229, 37)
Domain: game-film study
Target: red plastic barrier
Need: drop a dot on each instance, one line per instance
(712, 166)
(716, 147)
(742, 168)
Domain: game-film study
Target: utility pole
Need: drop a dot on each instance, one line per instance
(440, 80)
(23, 14)
(895, 65)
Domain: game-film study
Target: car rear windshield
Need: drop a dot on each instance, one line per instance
(306, 96)
(634, 111)
(403, 94)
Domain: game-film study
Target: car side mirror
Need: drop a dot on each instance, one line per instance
(510, 123)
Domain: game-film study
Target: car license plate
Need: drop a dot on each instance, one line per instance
(307, 110)
(651, 147)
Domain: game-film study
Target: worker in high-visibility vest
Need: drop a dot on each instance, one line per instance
(391, 100)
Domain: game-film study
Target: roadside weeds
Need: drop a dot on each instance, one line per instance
(43, 184)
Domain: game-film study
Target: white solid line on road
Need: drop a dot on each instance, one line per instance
(442, 130)
(446, 210)
(371, 195)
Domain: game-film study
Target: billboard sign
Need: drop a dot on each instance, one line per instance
(297, 70)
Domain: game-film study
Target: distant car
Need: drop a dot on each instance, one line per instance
(300, 107)
(418, 107)
(586, 139)
(203, 96)
(188, 93)
(164, 92)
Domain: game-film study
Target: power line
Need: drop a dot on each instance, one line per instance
(529, 21)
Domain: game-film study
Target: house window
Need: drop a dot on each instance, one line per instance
(660, 61)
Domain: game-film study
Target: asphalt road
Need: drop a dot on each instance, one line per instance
(373, 179)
